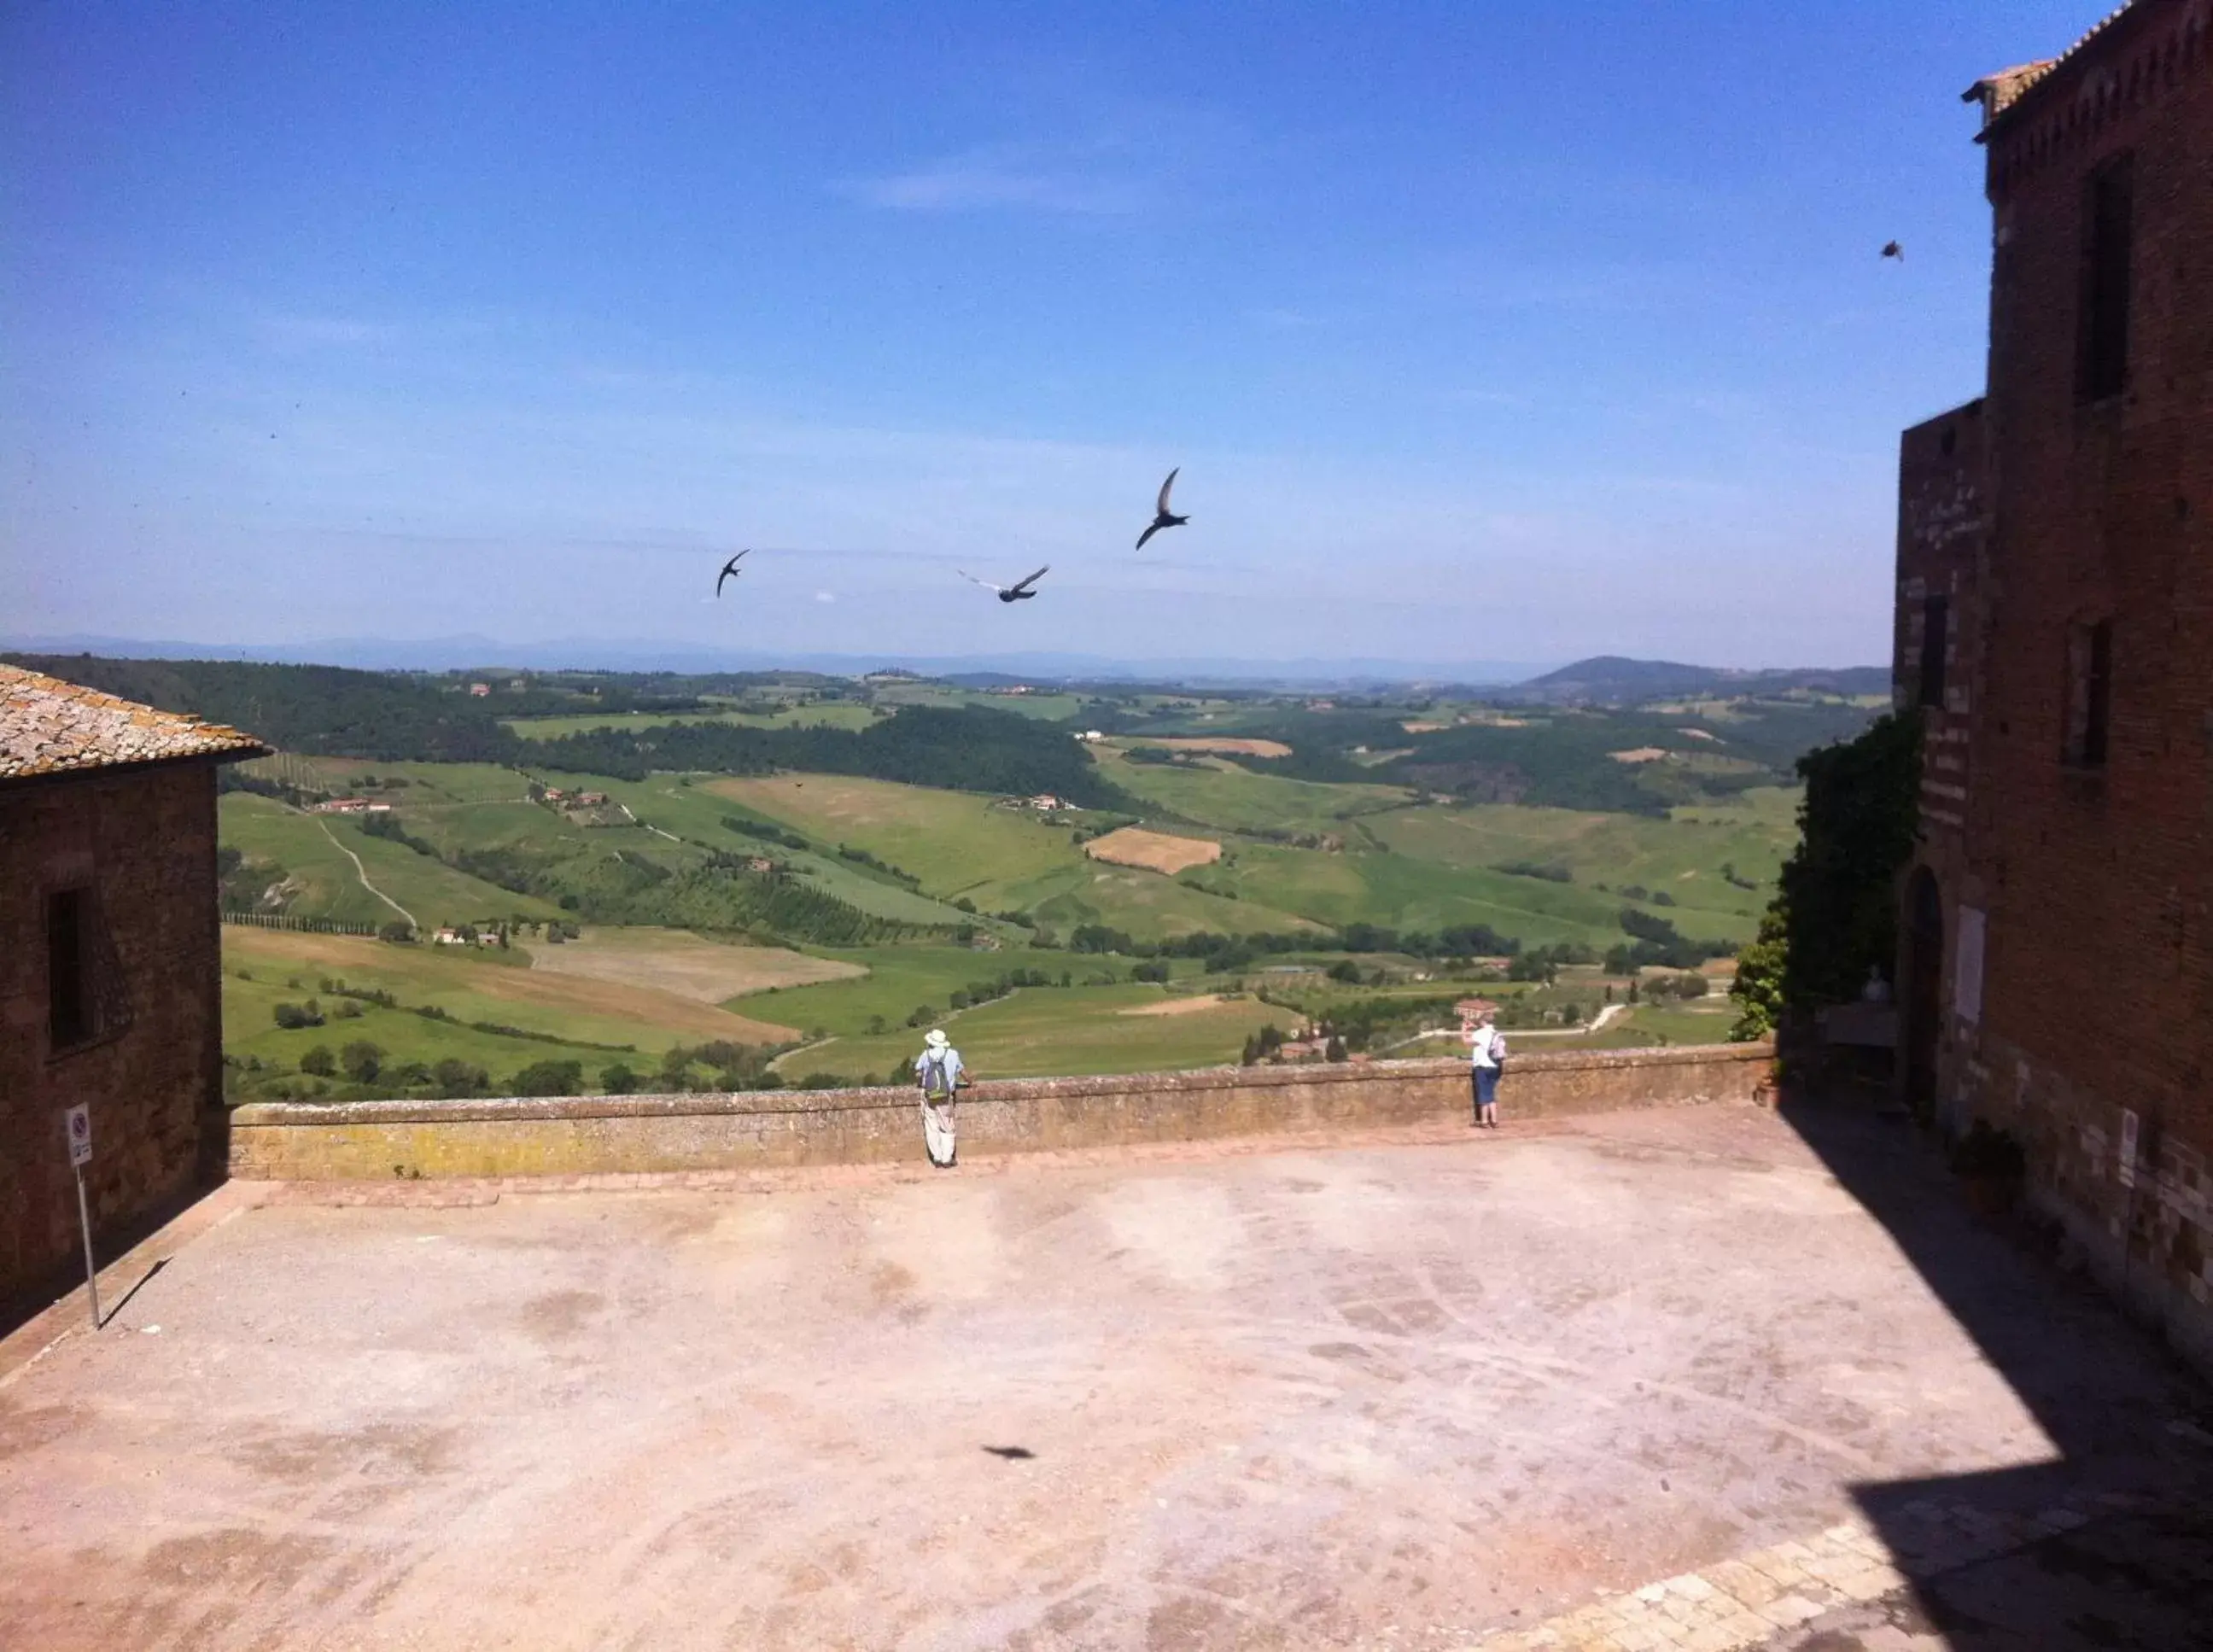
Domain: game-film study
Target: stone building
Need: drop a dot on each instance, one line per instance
(110, 977)
(2056, 623)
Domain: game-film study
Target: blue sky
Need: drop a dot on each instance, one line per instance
(1480, 331)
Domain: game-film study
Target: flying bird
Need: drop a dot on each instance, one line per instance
(730, 568)
(1161, 517)
(1018, 592)
(1891, 249)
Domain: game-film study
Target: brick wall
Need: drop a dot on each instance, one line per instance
(2098, 879)
(145, 841)
(588, 1136)
(1943, 521)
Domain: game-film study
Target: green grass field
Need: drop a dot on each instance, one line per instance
(312, 847)
(1685, 855)
(1047, 707)
(1219, 793)
(900, 981)
(1044, 1032)
(955, 843)
(964, 846)
(696, 811)
(260, 968)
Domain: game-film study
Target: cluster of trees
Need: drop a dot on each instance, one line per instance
(1552, 872)
(1544, 963)
(719, 892)
(1834, 915)
(1655, 942)
(1224, 954)
(978, 992)
(861, 857)
(317, 710)
(240, 882)
(969, 748)
(388, 827)
(764, 830)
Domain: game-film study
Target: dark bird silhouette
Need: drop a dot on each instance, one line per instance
(729, 568)
(1018, 592)
(1891, 249)
(1011, 1453)
(1161, 517)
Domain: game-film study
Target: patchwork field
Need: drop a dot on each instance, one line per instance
(1153, 851)
(1046, 1032)
(887, 984)
(263, 968)
(678, 961)
(1220, 794)
(954, 843)
(314, 848)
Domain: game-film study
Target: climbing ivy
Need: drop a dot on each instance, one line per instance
(1835, 914)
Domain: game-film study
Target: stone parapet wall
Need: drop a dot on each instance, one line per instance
(573, 1135)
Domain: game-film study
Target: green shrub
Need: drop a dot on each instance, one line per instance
(319, 1061)
(549, 1078)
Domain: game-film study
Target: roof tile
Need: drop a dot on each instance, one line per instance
(50, 727)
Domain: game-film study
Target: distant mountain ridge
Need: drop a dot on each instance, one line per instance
(1613, 679)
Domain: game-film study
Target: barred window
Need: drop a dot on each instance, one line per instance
(2089, 692)
(85, 996)
(2108, 231)
(1935, 640)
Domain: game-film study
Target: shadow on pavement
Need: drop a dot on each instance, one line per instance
(2107, 1544)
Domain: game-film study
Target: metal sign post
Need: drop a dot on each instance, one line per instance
(80, 1146)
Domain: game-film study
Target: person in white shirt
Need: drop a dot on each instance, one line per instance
(1487, 1052)
(938, 1070)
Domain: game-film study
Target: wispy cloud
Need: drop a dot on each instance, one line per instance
(1022, 177)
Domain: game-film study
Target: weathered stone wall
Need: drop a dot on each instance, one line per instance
(144, 840)
(602, 1135)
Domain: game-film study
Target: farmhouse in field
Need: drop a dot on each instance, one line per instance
(109, 982)
(2062, 877)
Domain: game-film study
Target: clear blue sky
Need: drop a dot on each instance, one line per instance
(1480, 331)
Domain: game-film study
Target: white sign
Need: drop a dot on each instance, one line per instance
(1967, 966)
(2127, 1165)
(80, 1135)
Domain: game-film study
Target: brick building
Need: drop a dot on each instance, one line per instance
(2055, 620)
(110, 976)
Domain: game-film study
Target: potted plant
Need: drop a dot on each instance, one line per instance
(1990, 1166)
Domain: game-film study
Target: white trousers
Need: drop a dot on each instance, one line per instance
(937, 1130)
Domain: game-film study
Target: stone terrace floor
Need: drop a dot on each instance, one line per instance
(1704, 1378)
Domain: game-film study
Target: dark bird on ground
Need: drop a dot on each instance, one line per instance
(1161, 518)
(729, 568)
(1018, 592)
(1891, 249)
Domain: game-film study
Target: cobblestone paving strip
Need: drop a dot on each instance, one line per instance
(1748, 1601)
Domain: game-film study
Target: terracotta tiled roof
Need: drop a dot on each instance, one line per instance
(1998, 93)
(50, 727)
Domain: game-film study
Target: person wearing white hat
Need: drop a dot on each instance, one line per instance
(938, 1070)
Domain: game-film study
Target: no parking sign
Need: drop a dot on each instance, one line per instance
(80, 1135)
